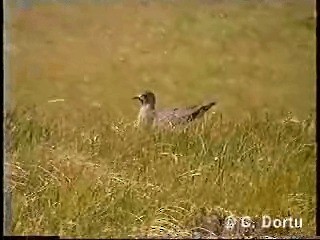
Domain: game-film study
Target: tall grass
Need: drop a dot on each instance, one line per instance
(110, 179)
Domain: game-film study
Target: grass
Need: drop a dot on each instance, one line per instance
(80, 168)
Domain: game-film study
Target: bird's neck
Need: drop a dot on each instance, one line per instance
(148, 106)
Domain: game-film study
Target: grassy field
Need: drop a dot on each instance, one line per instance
(81, 168)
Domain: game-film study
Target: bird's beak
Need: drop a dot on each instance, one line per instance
(137, 97)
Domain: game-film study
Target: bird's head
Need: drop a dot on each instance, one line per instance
(146, 98)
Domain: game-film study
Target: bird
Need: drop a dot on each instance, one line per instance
(149, 116)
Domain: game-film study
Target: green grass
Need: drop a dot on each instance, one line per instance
(80, 168)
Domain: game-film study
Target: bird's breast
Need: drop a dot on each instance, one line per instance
(146, 115)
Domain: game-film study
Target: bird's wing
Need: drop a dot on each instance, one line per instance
(180, 115)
